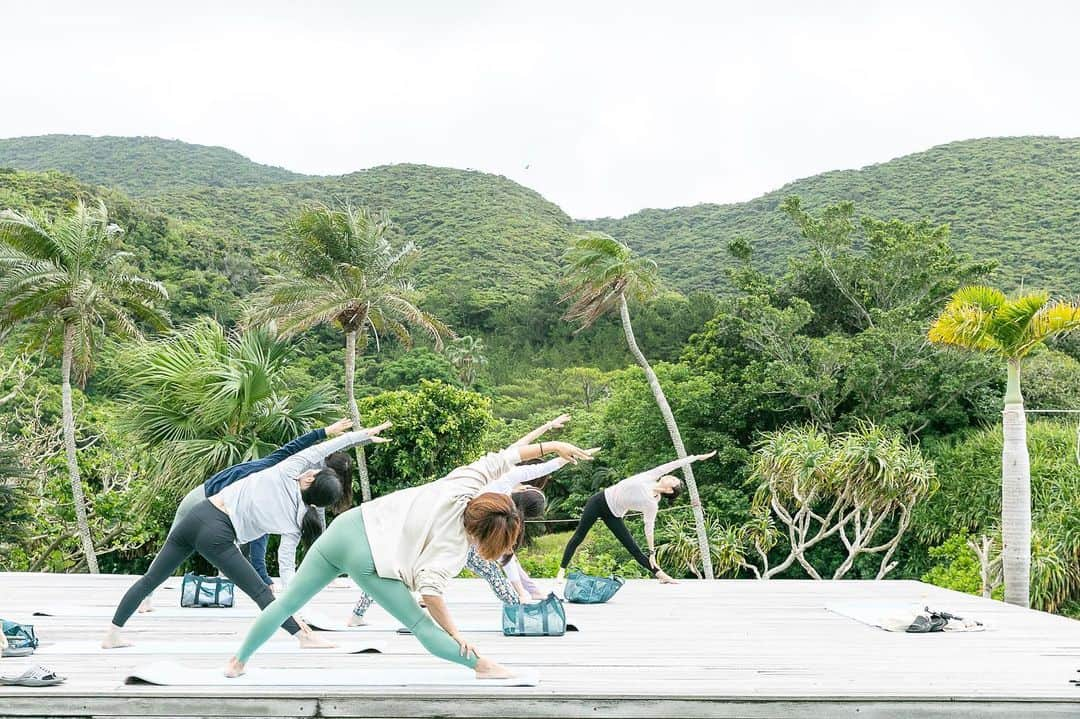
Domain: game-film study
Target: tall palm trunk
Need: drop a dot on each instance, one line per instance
(69, 446)
(1015, 495)
(354, 411)
(676, 437)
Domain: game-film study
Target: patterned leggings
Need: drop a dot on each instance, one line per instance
(490, 571)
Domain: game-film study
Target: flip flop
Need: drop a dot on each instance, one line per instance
(39, 676)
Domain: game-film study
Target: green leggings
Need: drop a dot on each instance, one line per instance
(344, 547)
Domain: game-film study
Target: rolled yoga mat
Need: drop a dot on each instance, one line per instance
(171, 674)
(225, 649)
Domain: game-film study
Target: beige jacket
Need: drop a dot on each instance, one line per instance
(417, 534)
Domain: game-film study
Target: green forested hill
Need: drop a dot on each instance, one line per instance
(1014, 200)
(139, 165)
(483, 237)
(475, 231)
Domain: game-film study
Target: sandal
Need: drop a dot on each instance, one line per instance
(39, 676)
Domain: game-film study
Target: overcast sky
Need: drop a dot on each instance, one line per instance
(603, 107)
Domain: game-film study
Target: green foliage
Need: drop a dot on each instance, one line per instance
(969, 501)
(436, 428)
(958, 567)
(204, 399)
(347, 272)
(467, 355)
(407, 370)
(856, 488)
(983, 319)
(601, 273)
(1002, 198)
(839, 337)
(140, 166)
(14, 502)
(1052, 381)
(71, 272)
(600, 555)
(629, 428)
(124, 514)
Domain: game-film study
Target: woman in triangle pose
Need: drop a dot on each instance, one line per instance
(639, 493)
(415, 539)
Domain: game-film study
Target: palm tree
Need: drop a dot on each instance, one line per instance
(467, 355)
(349, 273)
(70, 275)
(604, 273)
(983, 319)
(210, 399)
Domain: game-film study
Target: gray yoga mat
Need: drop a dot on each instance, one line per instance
(325, 623)
(180, 675)
(225, 649)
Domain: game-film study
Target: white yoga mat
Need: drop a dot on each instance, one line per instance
(327, 623)
(889, 616)
(246, 611)
(225, 649)
(180, 675)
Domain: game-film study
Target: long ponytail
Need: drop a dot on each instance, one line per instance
(311, 527)
(325, 490)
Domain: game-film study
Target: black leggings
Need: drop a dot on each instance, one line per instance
(208, 531)
(597, 508)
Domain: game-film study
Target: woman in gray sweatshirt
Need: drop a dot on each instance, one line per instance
(278, 500)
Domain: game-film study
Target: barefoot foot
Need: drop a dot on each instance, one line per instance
(113, 640)
(487, 669)
(310, 641)
(234, 668)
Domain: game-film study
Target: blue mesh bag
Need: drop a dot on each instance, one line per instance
(19, 636)
(545, 618)
(199, 591)
(585, 589)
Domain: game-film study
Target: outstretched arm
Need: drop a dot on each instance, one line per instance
(656, 473)
(565, 450)
(556, 423)
(312, 457)
(307, 440)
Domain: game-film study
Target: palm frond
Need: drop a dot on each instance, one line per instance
(26, 235)
(599, 271)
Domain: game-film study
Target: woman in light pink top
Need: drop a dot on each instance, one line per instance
(639, 493)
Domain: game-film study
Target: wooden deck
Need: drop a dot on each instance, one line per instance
(718, 649)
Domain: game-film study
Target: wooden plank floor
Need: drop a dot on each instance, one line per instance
(716, 649)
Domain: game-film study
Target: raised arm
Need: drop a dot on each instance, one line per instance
(556, 423)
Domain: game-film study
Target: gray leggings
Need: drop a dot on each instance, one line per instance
(208, 531)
